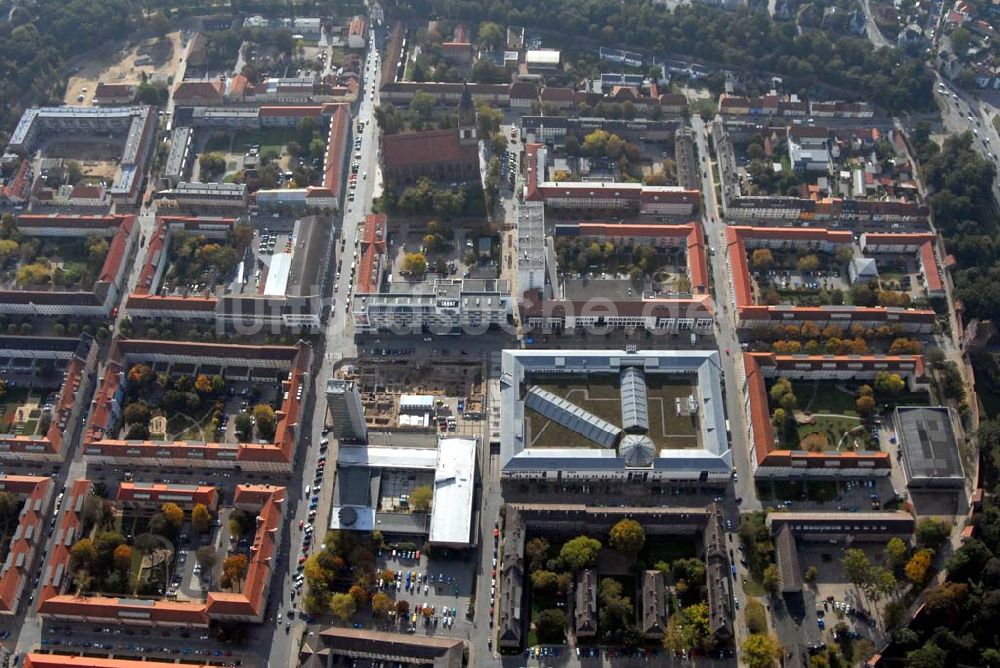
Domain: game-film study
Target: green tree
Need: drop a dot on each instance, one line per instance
(627, 536)
(689, 630)
(895, 552)
(491, 35)
(381, 605)
(421, 498)
(422, 104)
(580, 552)
(244, 426)
(550, 625)
(856, 567)
(928, 656)
(772, 580)
(691, 571)
(545, 581)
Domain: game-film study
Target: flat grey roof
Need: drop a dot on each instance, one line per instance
(928, 442)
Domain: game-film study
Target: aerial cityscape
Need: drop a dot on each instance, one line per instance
(520, 333)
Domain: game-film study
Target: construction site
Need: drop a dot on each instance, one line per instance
(420, 395)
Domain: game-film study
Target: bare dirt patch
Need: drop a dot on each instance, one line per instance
(157, 56)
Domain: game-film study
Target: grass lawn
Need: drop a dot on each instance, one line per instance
(267, 139)
(217, 142)
(548, 434)
(834, 428)
(824, 397)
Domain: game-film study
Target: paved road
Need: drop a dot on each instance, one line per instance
(338, 343)
(875, 35)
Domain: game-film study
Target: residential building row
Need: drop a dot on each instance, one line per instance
(266, 502)
(791, 106)
(96, 300)
(103, 441)
(751, 312)
(602, 195)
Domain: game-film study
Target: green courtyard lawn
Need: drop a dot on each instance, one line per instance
(267, 139)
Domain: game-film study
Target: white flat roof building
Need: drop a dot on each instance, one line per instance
(454, 480)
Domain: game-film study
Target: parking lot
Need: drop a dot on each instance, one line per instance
(438, 590)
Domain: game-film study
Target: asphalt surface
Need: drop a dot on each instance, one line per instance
(337, 344)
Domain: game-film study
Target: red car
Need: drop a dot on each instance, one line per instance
(302, 559)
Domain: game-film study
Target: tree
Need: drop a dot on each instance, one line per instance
(402, 608)
(808, 263)
(550, 625)
(422, 104)
(33, 274)
(343, 606)
(8, 247)
(865, 406)
(895, 552)
(810, 574)
(691, 571)
(83, 552)
(918, 568)
(415, 264)
(491, 35)
(928, 656)
(201, 518)
(123, 557)
(381, 604)
(779, 418)
(74, 172)
(772, 580)
(265, 419)
(816, 441)
(857, 568)
(206, 556)
(545, 581)
(244, 425)
(580, 552)
(760, 651)
(136, 413)
(105, 545)
(158, 23)
(889, 383)
(762, 259)
(211, 165)
(932, 532)
(234, 568)
(421, 498)
(358, 593)
(689, 630)
(844, 254)
(627, 536)
(756, 616)
(173, 514)
(780, 388)
(537, 551)
(146, 542)
(203, 384)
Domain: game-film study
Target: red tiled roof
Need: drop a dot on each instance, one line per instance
(156, 493)
(931, 273)
(421, 148)
(336, 151)
(279, 451)
(35, 492)
(762, 431)
(554, 94)
(531, 177)
(198, 91)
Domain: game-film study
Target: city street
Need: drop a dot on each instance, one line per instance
(337, 344)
